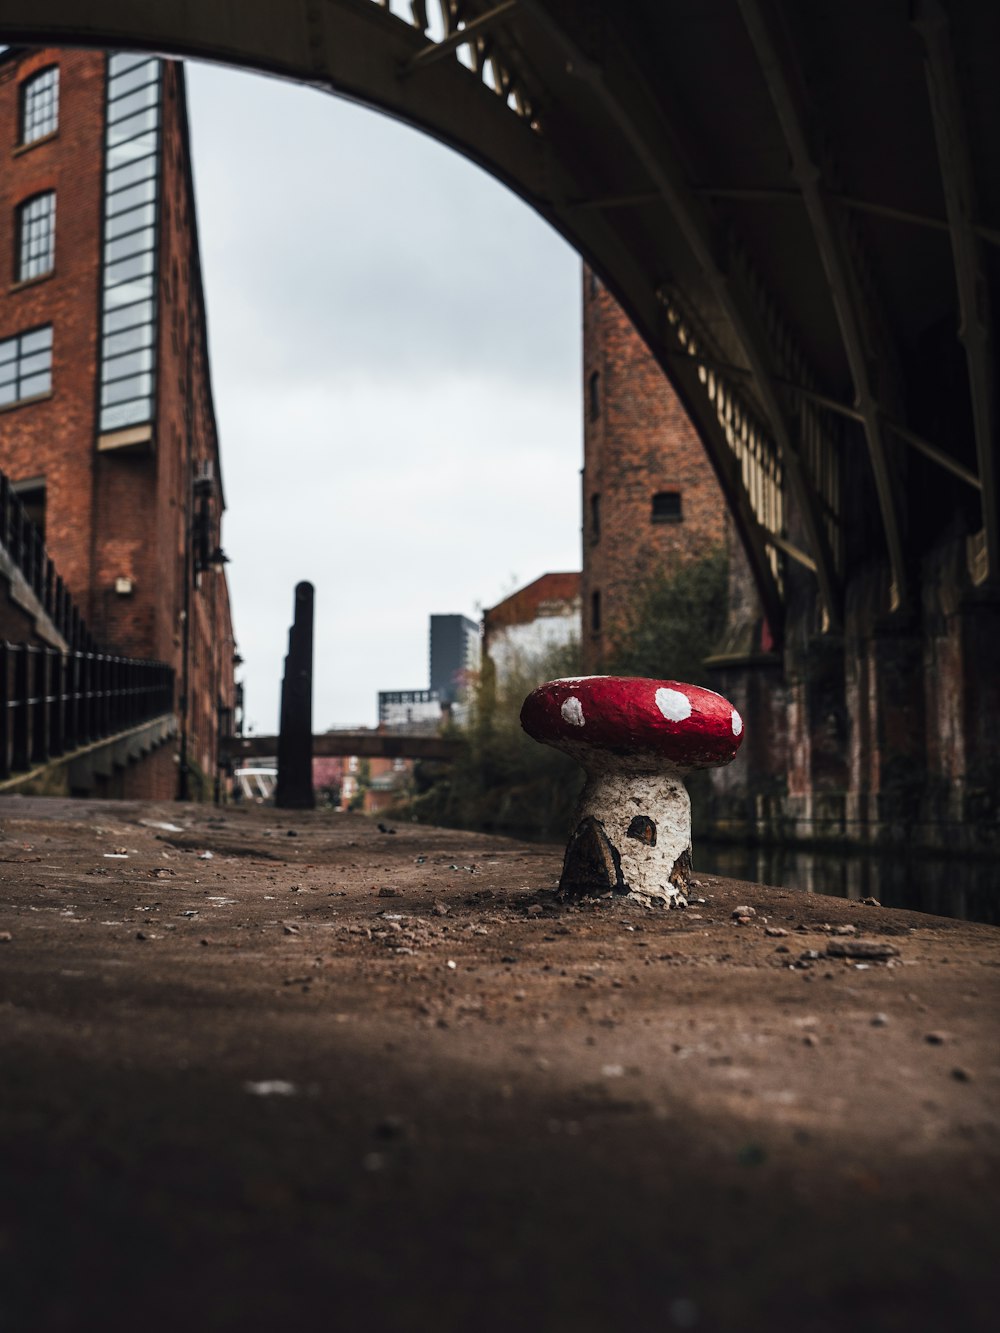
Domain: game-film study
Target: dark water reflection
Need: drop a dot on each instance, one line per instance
(969, 890)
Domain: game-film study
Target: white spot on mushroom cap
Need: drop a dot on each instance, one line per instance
(674, 706)
(737, 723)
(572, 711)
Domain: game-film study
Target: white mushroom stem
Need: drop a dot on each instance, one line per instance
(614, 798)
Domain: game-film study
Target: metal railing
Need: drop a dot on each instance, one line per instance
(24, 544)
(54, 702)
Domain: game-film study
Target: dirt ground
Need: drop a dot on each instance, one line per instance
(328, 1076)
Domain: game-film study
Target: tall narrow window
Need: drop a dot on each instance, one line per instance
(131, 253)
(25, 366)
(595, 612)
(36, 236)
(595, 518)
(594, 395)
(40, 105)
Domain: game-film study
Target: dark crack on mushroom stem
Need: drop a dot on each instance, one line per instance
(592, 864)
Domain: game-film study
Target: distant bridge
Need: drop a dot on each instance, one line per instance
(365, 744)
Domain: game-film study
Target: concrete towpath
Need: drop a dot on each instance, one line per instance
(269, 1071)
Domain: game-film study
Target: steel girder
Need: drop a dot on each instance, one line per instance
(769, 190)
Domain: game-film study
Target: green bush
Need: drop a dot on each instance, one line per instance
(674, 622)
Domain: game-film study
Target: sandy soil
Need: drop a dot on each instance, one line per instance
(329, 1076)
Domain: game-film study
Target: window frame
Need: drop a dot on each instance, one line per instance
(595, 516)
(21, 220)
(594, 395)
(665, 515)
(16, 361)
(23, 93)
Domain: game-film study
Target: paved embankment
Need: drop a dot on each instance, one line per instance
(332, 1077)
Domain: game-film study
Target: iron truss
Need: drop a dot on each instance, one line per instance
(795, 204)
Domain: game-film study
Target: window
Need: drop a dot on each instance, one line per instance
(40, 105)
(595, 517)
(128, 322)
(36, 236)
(25, 366)
(667, 507)
(31, 493)
(595, 613)
(594, 395)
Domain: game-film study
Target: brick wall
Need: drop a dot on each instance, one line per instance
(54, 437)
(638, 443)
(125, 513)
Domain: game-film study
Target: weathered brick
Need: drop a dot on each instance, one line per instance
(117, 514)
(638, 441)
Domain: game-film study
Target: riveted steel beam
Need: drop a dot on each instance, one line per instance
(932, 451)
(357, 48)
(976, 328)
(856, 333)
(435, 51)
(773, 195)
(629, 105)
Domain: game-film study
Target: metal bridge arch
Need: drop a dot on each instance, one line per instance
(787, 200)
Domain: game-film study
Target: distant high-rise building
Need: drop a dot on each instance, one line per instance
(107, 426)
(454, 655)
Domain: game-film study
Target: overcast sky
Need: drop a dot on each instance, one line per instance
(395, 344)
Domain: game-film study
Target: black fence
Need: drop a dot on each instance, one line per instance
(23, 542)
(52, 702)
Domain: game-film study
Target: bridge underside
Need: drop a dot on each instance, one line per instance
(799, 207)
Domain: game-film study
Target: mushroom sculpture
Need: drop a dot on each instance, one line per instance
(636, 739)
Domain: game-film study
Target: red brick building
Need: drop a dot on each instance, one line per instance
(650, 497)
(107, 424)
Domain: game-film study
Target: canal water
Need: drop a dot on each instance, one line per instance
(969, 890)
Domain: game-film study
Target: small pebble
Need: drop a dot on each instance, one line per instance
(739, 912)
(5, 937)
(880, 1020)
(388, 893)
(439, 909)
(961, 1075)
(935, 1038)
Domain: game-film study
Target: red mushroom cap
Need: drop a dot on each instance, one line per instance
(642, 720)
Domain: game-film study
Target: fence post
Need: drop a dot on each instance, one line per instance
(5, 705)
(295, 786)
(20, 758)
